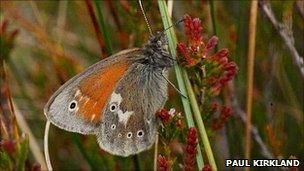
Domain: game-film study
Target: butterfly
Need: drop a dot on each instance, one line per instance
(116, 99)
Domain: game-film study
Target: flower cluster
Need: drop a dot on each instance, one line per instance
(219, 122)
(165, 115)
(219, 69)
(163, 163)
(191, 149)
(225, 72)
(173, 121)
(196, 49)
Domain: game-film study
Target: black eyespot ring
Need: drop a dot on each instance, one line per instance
(113, 107)
(140, 133)
(113, 126)
(72, 105)
(129, 135)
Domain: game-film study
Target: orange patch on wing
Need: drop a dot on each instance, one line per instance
(94, 91)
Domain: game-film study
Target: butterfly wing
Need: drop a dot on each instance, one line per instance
(129, 124)
(77, 106)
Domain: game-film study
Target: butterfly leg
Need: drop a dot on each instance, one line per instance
(173, 85)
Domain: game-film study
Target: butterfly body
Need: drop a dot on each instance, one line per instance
(116, 99)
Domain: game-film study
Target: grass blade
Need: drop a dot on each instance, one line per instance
(178, 71)
(103, 27)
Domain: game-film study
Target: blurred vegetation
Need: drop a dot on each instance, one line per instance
(44, 43)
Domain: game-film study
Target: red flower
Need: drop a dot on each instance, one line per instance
(191, 149)
(218, 123)
(9, 146)
(211, 44)
(207, 167)
(214, 106)
(195, 49)
(226, 70)
(164, 115)
(187, 59)
(219, 69)
(225, 113)
(193, 30)
(163, 163)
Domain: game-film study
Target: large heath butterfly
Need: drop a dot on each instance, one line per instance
(117, 98)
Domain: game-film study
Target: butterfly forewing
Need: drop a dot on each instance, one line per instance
(78, 105)
(129, 124)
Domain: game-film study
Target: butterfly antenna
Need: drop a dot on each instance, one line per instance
(146, 19)
(175, 24)
(173, 85)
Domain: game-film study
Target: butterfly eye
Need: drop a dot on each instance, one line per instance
(72, 106)
(140, 133)
(113, 107)
(129, 135)
(113, 126)
(119, 135)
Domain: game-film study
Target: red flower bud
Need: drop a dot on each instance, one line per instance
(164, 115)
(207, 167)
(214, 106)
(163, 163)
(211, 43)
(191, 149)
(9, 146)
(223, 53)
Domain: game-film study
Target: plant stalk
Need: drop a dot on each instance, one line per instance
(250, 74)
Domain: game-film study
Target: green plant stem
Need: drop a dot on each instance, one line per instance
(103, 27)
(199, 120)
(178, 71)
(250, 75)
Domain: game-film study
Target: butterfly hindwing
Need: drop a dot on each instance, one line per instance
(78, 105)
(129, 124)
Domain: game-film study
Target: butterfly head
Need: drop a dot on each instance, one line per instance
(156, 51)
